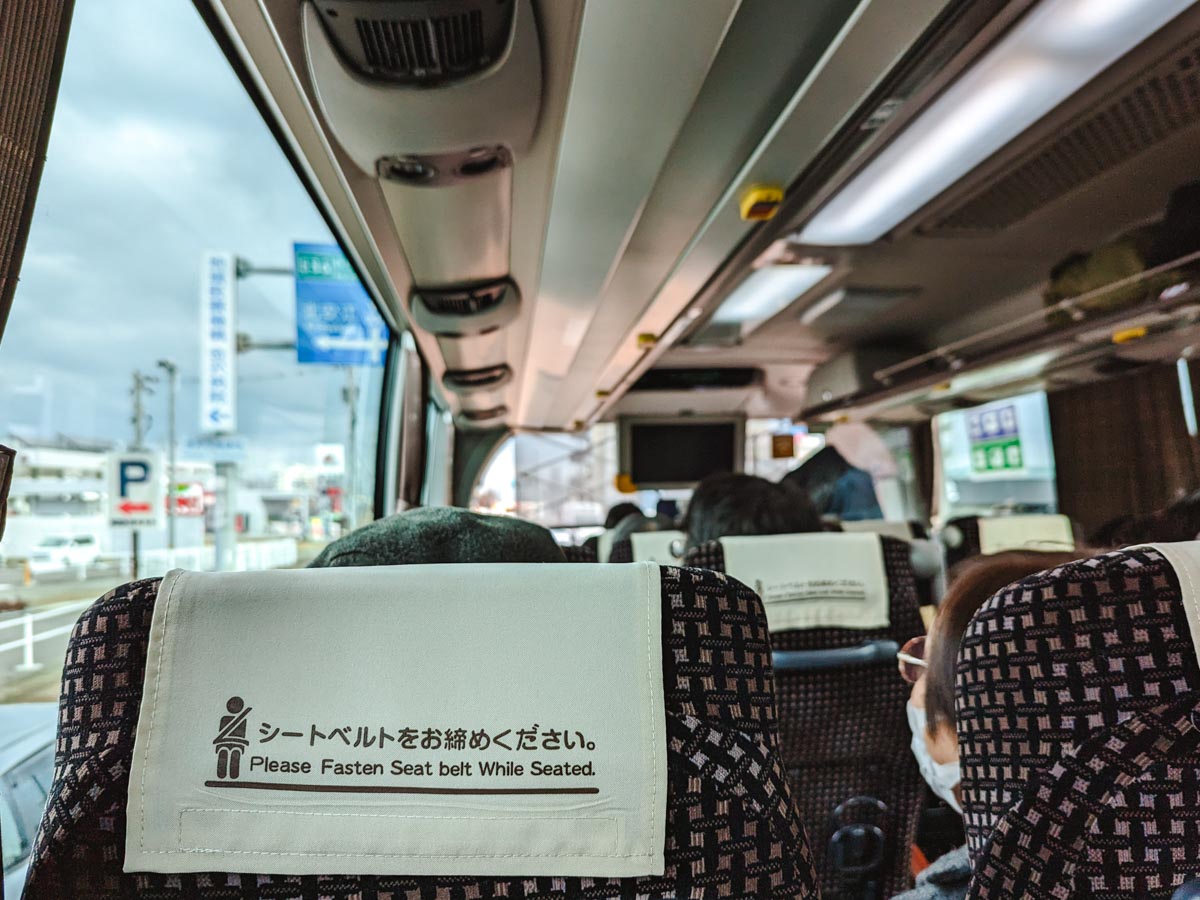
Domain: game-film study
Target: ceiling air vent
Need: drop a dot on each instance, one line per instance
(461, 311)
(1160, 102)
(466, 381)
(419, 42)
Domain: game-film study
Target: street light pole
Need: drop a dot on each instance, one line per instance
(141, 385)
(172, 371)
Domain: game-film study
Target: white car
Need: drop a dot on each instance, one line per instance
(64, 553)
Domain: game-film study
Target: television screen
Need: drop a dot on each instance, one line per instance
(679, 454)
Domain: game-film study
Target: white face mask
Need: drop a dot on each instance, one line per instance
(941, 777)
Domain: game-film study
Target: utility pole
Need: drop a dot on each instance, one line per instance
(141, 387)
(172, 371)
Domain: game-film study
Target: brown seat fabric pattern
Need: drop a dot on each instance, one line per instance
(732, 827)
(844, 732)
(1078, 690)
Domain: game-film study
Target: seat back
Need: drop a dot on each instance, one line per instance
(905, 531)
(579, 554)
(1078, 695)
(647, 546)
(732, 828)
(844, 732)
(974, 535)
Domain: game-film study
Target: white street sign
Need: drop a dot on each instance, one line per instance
(222, 448)
(136, 494)
(352, 340)
(218, 343)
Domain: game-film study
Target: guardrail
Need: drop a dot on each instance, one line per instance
(31, 635)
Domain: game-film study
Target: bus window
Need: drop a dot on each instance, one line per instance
(165, 204)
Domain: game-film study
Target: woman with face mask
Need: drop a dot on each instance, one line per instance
(927, 662)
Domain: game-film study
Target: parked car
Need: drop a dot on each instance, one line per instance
(27, 732)
(64, 553)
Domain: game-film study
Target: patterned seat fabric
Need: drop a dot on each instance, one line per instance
(621, 552)
(844, 733)
(581, 554)
(1078, 697)
(732, 827)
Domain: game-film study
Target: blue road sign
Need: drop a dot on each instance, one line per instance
(336, 322)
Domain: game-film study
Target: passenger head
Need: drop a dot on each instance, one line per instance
(818, 475)
(725, 505)
(929, 661)
(441, 534)
(619, 512)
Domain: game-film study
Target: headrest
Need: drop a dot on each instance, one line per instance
(1025, 533)
(816, 580)
(441, 534)
(900, 530)
(657, 546)
(1057, 658)
(449, 720)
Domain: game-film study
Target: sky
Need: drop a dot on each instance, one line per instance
(157, 155)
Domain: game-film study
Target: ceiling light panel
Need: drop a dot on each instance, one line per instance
(1049, 55)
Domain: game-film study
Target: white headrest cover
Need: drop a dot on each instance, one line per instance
(813, 580)
(655, 546)
(1025, 533)
(477, 720)
(901, 530)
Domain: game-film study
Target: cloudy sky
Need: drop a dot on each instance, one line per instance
(157, 155)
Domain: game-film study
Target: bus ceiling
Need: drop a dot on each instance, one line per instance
(553, 216)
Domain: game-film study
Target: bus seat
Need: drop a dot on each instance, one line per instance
(732, 828)
(969, 536)
(648, 546)
(905, 531)
(579, 554)
(844, 730)
(1078, 701)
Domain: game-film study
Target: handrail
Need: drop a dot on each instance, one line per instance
(1068, 305)
(29, 636)
(46, 612)
(866, 654)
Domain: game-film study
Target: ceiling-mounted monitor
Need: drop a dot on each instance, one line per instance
(672, 452)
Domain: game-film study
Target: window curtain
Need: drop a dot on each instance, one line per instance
(33, 38)
(921, 442)
(1121, 447)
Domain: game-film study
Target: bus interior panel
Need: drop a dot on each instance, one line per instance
(751, 447)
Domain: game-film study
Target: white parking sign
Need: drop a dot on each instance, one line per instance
(136, 495)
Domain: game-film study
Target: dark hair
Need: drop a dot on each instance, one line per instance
(619, 512)
(726, 504)
(972, 583)
(818, 475)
